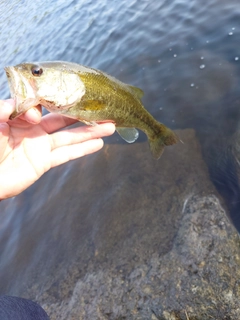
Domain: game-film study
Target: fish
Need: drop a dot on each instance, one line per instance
(88, 95)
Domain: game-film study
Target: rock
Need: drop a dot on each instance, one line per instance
(132, 238)
(163, 247)
(197, 279)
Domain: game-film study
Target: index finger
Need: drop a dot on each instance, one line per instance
(52, 122)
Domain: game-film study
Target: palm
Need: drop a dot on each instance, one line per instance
(26, 155)
(27, 151)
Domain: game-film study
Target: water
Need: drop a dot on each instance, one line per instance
(102, 209)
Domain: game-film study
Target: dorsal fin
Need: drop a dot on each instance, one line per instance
(136, 91)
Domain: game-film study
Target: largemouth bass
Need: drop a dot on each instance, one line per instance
(88, 95)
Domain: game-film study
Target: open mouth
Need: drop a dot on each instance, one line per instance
(13, 80)
(21, 90)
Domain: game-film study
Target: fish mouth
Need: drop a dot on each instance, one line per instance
(21, 90)
(13, 80)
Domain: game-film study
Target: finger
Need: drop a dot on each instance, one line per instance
(33, 115)
(6, 109)
(71, 152)
(80, 134)
(53, 122)
(4, 137)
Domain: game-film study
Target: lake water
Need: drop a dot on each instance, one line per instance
(185, 55)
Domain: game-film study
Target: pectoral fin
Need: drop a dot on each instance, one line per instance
(130, 135)
(89, 123)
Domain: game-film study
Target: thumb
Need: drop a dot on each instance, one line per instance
(6, 109)
(4, 136)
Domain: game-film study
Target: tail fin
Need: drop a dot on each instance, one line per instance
(166, 138)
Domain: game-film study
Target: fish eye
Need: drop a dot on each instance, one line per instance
(37, 71)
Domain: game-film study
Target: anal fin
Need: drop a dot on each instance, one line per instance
(130, 135)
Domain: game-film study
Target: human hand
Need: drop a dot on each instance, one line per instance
(30, 145)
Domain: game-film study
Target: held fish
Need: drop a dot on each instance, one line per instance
(88, 95)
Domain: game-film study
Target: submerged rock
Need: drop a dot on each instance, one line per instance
(129, 238)
(175, 256)
(197, 279)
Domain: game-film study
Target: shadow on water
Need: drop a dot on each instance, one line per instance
(207, 100)
(210, 105)
(221, 153)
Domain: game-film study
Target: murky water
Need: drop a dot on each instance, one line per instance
(185, 55)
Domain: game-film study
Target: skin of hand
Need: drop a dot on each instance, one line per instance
(31, 145)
